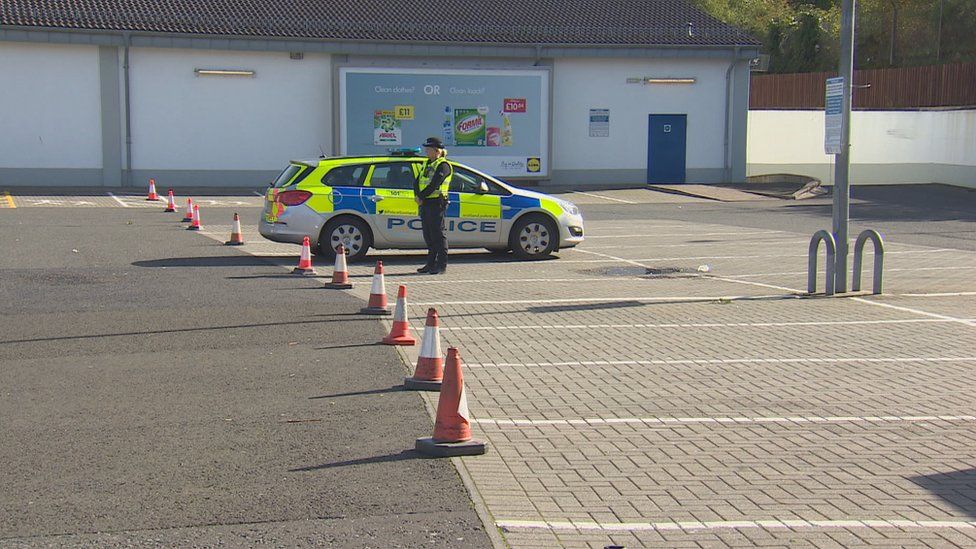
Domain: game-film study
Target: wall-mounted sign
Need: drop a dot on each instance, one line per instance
(496, 121)
(599, 122)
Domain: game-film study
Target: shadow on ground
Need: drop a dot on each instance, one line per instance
(401, 456)
(219, 261)
(957, 488)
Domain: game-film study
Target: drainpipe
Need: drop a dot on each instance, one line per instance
(127, 38)
(727, 167)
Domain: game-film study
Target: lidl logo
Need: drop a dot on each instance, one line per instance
(533, 165)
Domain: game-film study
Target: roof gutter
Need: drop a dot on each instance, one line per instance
(127, 40)
(728, 114)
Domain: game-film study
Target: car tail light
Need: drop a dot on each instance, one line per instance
(293, 198)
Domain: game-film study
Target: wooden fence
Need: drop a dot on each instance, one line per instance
(951, 85)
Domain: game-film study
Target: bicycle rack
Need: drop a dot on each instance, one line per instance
(878, 260)
(831, 246)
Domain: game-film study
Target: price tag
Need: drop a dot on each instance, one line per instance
(403, 112)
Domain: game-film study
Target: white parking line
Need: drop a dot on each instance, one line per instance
(258, 194)
(906, 269)
(704, 361)
(604, 197)
(115, 198)
(605, 279)
(772, 256)
(943, 294)
(690, 325)
(689, 244)
(612, 257)
(605, 300)
(720, 420)
(760, 284)
(659, 235)
(585, 526)
(962, 321)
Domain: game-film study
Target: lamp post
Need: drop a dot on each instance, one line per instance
(842, 191)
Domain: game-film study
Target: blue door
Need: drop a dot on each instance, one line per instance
(666, 148)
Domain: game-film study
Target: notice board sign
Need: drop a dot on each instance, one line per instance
(833, 115)
(599, 122)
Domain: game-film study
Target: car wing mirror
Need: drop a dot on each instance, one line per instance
(483, 188)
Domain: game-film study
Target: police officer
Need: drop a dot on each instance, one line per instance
(430, 191)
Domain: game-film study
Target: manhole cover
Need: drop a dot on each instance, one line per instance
(644, 272)
(662, 271)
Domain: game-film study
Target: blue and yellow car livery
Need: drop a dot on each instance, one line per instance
(365, 202)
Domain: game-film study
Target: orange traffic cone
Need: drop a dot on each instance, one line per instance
(452, 428)
(400, 333)
(236, 237)
(189, 210)
(430, 365)
(152, 190)
(171, 204)
(305, 260)
(377, 294)
(195, 224)
(340, 276)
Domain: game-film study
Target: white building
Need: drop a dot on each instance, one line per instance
(226, 92)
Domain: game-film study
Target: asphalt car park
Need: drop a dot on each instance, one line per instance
(665, 383)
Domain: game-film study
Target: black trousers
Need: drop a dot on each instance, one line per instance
(435, 232)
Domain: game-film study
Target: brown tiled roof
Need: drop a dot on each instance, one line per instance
(546, 22)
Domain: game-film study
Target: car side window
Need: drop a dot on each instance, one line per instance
(393, 175)
(466, 181)
(345, 176)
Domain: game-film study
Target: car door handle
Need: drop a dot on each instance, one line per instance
(375, 198)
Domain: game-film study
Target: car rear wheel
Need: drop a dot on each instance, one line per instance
(533, 237)
(351, 232)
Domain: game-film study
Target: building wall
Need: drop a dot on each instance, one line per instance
(50, 114)
(226, 130)
(582, 84)
(886, 146)
(188, 129)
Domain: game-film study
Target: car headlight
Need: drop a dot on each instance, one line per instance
(569, 207)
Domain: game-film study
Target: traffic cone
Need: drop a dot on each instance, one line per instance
(189, 210)
(400, 333)
(452, 428)
(430, 366)
(305, 260)
(377, 294)
(152, 190)
(195, 224)
(236, 237)
(340, 276)
(171, 203)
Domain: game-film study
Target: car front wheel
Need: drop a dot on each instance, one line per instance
(533, 237)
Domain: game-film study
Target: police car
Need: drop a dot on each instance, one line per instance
(365, 202)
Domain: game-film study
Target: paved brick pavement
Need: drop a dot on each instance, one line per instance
(714, 408)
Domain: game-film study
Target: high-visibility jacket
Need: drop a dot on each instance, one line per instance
(427, 174)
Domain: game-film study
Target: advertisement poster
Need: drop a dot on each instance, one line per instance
(496, 121)
(386, 128)
(470, 127)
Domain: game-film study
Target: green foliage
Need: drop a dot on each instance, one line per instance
(804, 35)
